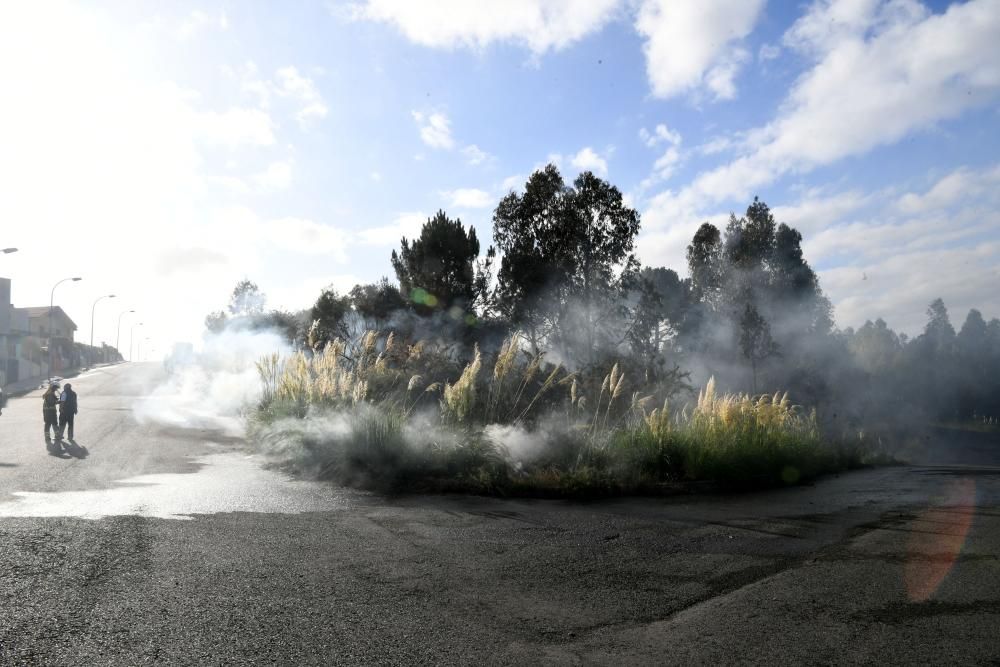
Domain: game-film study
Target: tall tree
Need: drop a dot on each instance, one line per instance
(704, 257)
(522, 224)
(875, 346)
(438, 269)
(755, 340)
(973, 339)
(567, 258)
(247, 300)
(939, 334)
(329, 318)
(376, 303)
(660, 299)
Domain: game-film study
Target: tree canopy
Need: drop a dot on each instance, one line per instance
(567, 257)
(438, 269)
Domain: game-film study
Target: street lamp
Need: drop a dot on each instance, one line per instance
(106, 296)
(118, 337)
(131, 336)
(52, 298)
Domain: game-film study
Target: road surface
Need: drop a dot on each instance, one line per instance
(158, 544)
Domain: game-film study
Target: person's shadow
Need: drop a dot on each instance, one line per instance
(75, 449)
(55, 448)
(66, 449)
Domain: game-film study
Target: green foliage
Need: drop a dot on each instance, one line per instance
(438, 269)
(752, 293)
(246, 300)
(328, 317)
(376, 303)
(567, 261)
(755, 339)
(363, 419)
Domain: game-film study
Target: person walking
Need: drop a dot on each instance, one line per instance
(67, 410)
(50, 399)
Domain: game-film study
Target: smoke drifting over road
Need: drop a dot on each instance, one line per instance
(212, 387)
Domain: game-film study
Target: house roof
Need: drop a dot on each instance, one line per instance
(43, 311)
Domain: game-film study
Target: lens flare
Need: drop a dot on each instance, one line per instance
(936, 539)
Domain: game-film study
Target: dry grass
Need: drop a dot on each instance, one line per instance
(594, 433)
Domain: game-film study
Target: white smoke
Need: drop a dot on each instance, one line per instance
(522, 446)
(212, 389)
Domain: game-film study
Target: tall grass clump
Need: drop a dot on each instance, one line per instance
(390, 414)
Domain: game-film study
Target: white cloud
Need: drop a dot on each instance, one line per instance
(514, 182)
(303, 293)
(665, 165)
(768, 52)
(695, 45)
(876, 258)
(235, 127)
(291, 83)
(587, 159)
(540, 25)
(300, 93)
(277, 176)
(716, 145)
(689, 45)
(468, 198)
(962, 183)
(660, 134)
(435, 129)
(232, 184)
(474, 155)
(965, 277)
(817, 210)
(667, 246)
(307, 237)
(198, 21)
(552, 158)
(405, 224)
(879, 75)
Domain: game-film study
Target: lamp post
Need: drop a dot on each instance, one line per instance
(92, 309)
(118, 337)
(52, 299)
(131, 337)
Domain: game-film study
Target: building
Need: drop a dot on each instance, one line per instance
(25, 336)
(53, 327)
(21, 355)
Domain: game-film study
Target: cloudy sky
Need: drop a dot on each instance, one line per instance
(163, 151)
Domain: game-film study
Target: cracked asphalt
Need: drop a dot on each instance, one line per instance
(893, 565)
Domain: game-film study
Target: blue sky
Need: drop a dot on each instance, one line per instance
(164, 151)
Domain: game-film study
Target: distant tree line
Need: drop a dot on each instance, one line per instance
(562, 270)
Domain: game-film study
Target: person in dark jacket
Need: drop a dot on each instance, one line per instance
(50, 399)
(67, 410)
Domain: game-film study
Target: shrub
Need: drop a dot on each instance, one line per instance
(367, 417)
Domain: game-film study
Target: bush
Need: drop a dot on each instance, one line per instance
(368, 423)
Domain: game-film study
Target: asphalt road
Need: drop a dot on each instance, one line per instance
(202, 557)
